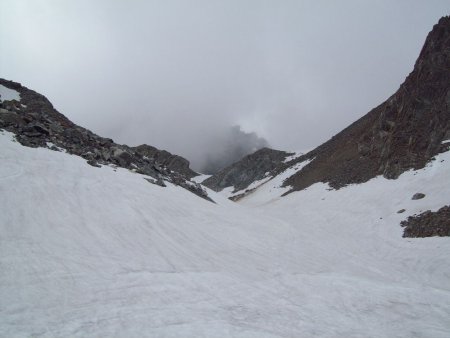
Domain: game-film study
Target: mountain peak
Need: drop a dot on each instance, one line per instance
(436, 42)
(402, 133)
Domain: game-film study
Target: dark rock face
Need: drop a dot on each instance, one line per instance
(428, 224)
(172, 162)
(403, 133)
(251, 168)
(36, 123)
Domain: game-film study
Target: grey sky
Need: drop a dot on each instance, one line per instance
(177, 74)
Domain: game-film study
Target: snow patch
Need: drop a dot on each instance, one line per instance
(51, 145)
(252, 186)
(227, 192)
(200, 178)
(273, 188)
(293, 157)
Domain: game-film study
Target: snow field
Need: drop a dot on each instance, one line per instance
(101, 252)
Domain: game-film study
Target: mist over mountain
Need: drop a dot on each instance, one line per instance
(229, 148)
(175, 75)
(103, 239)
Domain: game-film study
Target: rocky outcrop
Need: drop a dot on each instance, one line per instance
(172, 162)
(36, 123)
(251, 168)
(403, 133)
(428, 224)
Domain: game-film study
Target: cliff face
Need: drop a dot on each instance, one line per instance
(402, 133)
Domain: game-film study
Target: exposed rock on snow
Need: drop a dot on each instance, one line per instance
(418, 196)
(428, 224)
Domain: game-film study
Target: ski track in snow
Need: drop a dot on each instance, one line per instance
(95, 252)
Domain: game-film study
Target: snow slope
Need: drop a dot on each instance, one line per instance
(95, 252)
(272, 189)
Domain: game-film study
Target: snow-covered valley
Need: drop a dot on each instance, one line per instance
(95, 252)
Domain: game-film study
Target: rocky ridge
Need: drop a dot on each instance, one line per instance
(251, 168)
(403, 133)
(36, 123)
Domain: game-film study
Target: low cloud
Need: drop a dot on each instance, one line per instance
(229, 148)
(177, 75)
